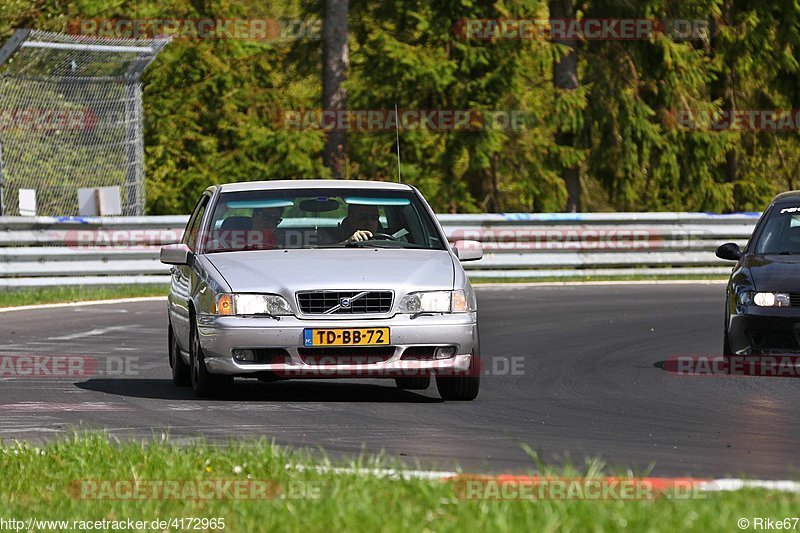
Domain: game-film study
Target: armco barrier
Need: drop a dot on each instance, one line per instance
(93, 251)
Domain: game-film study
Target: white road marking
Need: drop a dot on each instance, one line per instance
(78, 304)
(377, 472)
(714, 485)
(90, 333)
(48, 407)
(732, 484)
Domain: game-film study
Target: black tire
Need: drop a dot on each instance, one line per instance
(726, 345)
(415, 383)
(204, 383)
(461, 388)
(181, 372)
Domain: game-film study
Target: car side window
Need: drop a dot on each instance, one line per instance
(193, 227)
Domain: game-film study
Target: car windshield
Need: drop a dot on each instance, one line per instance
(320, 218)
(781, 234)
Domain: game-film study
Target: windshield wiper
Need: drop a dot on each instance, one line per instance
(378, 243)
(367, 244)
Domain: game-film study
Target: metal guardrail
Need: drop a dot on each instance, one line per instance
(44, 251)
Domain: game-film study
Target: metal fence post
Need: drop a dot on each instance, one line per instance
(2, 201)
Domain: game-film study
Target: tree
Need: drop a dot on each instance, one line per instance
(335, 63)
(565, 78)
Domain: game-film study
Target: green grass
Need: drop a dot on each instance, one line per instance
(49, 295)
(42, 483)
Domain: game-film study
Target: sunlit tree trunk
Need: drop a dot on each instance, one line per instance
(335, 62)
(565, 77)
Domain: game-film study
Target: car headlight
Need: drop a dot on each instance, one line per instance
(436, 302)
(252, 304)
(745, 298)
(771, 299)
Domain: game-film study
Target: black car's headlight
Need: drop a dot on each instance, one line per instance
(252, 304)
(765, 299)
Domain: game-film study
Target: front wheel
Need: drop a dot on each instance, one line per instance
(461, 387)
(180, 370)
(204, 383)
(726, 345)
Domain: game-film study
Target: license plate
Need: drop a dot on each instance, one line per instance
(346, 337)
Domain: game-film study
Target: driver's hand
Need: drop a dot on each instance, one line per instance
(358, 236)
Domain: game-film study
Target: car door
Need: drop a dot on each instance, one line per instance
(180, 293)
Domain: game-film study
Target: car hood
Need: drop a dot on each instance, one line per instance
(774, 273)
(287, 271)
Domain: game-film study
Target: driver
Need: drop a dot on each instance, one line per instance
(265, 221)
(360, 223)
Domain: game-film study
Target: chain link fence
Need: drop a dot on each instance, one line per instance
(71, 118)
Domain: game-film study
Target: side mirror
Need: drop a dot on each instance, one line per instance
(729, 251)
(175, 254)
(468, 250)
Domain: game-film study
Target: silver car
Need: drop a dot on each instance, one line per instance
(321, 279)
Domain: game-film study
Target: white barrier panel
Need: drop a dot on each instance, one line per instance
(41, 251)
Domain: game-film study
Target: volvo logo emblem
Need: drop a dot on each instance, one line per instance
(345, 303)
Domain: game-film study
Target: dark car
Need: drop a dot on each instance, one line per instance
(762, 311)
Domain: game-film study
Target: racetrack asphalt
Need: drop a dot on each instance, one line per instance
(573, 371)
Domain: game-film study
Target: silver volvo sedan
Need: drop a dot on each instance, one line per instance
(321, 279)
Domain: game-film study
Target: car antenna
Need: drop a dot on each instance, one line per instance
(397, 138)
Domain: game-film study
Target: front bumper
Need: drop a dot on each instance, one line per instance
(219, 336)
(765, 331)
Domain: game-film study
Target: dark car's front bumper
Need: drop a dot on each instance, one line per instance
(765, 331)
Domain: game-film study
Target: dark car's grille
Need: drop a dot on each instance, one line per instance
(346, 355)
(794, 299)
(773, 339)
(360, 302)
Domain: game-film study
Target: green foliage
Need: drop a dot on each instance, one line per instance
(213, 107)
(255, 485)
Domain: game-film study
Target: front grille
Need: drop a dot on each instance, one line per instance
(360, 302)
(794, 299)
(346, 355)
(772, 339)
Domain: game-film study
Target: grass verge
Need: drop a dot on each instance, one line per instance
(77, 293)
(50, 483)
